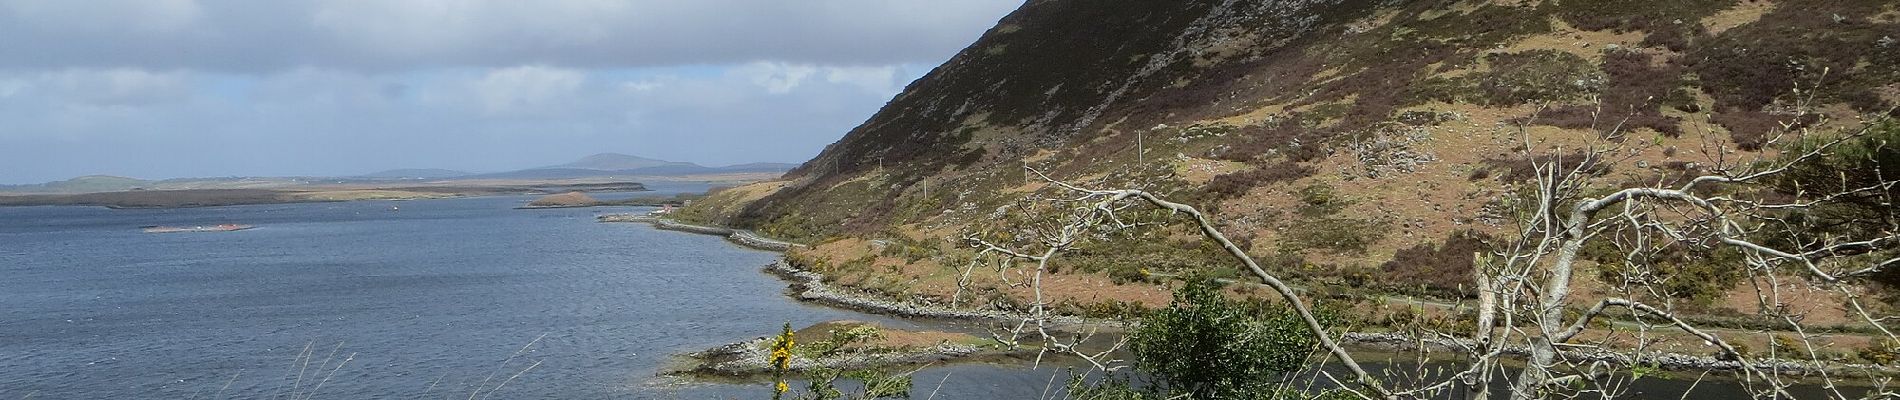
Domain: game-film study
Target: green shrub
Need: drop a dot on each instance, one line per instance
(1206, 346)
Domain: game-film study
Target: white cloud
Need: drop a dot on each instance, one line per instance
(525, 88)
(776, 77)
(648, 85)
(879, 80)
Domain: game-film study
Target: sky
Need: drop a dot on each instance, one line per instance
(159, 89)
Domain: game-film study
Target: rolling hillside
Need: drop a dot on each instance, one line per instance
(1331, 138)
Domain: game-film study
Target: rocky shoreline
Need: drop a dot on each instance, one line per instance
(1663, 360)
(811, 287)
(750, 358)
(741, 237)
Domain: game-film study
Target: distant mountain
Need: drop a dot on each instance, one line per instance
(617, 162)
(760, 167)
(416, 173)
(675, 169)
(84, 184)
(598, 165)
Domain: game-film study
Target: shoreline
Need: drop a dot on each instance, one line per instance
(198, 198)
(810, 287)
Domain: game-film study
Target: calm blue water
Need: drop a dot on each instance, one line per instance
(430, 299)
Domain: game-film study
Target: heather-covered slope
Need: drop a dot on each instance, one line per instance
(1331, 137)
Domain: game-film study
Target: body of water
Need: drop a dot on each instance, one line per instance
(424, 298)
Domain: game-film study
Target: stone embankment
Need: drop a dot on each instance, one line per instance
(626, 218)
(811, 286)
(1664, 360)
(742, 237)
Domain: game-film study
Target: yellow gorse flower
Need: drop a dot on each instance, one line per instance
(781, 359)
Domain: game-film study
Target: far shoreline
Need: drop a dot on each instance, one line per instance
(198, 198)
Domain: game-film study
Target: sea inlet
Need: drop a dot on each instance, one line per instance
(412, 299)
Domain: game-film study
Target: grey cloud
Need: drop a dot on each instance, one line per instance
(331, 122)
(252, 36)
(181, 88)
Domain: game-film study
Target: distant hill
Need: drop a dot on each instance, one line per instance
(598, 165)
(84, 184)
(662, 170)
(616, 162)
(760, 167)
(415, 173)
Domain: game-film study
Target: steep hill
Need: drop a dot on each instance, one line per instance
(1330, 137)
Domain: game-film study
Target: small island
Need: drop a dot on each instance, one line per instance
(563, 200)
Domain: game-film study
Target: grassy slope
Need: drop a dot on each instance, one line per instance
(1332, 138)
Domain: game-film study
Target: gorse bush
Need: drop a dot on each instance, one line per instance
(822, 383)
(1206, 346)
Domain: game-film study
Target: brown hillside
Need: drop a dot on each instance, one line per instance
(1366, 143)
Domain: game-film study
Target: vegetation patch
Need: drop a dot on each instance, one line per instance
(1818, 52)
(1523, 169)
(1440, 270)
(1633, 98)
(1535, 76)
(1318, 228)
(1671, 24)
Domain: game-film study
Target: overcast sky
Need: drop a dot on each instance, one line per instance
(190, 88)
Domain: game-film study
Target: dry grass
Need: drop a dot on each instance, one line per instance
(1744, 13)
(1583, 43)
(723, 204)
